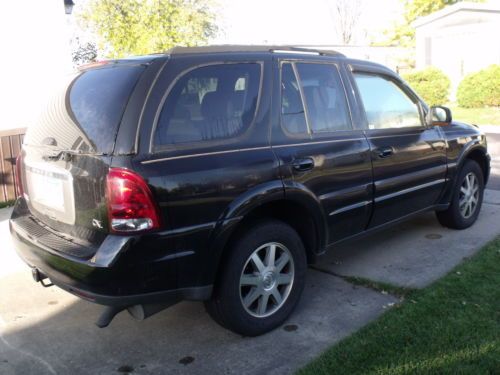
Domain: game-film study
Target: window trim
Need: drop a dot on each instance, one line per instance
(306, 135)
(302, 99)
(311, 135)
(399, 84)
(202, 143)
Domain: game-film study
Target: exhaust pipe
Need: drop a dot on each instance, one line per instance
(138, 312)
(141, 312)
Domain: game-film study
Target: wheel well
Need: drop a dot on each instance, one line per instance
(289, 212)
(480, 158)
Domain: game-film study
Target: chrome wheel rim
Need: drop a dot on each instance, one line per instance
(267, 279)
(469, 195)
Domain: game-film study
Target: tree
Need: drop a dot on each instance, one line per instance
(135, 27)
(84, 52)
(403, 34)
(345, 13)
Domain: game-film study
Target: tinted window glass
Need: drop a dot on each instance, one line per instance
(325, 97)
(292, 111)
(210, 103)
(386, 105)
(85, 112)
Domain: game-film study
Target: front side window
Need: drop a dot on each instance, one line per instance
(214, 102)
(386, 105)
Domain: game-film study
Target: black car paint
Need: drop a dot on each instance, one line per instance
(207, 191)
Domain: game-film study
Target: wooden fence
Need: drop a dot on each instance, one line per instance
(10, 145)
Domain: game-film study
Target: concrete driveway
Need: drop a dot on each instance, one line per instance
(47, 331)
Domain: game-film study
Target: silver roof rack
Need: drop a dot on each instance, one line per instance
(253, 48)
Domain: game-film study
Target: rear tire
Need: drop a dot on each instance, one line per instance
(467, 198)
(261, 281)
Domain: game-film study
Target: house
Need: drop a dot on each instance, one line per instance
(459, 39)
(35, 50)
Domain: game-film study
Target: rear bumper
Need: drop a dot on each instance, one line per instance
(123, 272)
(163, 297)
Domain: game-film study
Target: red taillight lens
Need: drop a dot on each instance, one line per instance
(19, 178)
(131, 207)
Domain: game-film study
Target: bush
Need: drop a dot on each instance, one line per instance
(431, 84)
(480, 89)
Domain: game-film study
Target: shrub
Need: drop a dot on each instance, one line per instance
(431, 84)
(480, 89)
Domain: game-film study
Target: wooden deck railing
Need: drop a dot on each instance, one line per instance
(10, 145)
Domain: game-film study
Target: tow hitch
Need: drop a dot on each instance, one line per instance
(40, 277)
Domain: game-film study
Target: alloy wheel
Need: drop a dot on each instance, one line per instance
(469, 195)
(266, 279)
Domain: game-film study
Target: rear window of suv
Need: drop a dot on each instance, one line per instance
(214, 102)
(84, 114)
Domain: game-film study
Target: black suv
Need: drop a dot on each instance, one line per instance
(218, 173)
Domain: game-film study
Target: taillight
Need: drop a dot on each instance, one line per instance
(131, 207)
(19, 179)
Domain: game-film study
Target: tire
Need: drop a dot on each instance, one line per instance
(241, 281)
(458, 216)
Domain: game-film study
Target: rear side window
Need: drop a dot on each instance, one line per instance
(85, 113)
(324, 97)
(321, 89)
(209, 103)
(386, 105)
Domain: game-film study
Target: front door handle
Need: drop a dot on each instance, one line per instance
(385, 152)
(303, 164)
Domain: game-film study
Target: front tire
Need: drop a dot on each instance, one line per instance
(262, 279)
(466, 200)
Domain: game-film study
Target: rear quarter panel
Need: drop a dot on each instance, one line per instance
(195, 187)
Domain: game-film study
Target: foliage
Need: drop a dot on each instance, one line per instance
(450, 327)
(403, 33)
(480, 89)
(84, 52)
(431, 84)
(135, 27)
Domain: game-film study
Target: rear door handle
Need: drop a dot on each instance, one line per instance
(385, 152)
(303, 164)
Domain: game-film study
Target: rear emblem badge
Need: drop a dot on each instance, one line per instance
(96, 223)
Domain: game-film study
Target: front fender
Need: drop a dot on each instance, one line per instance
(454, 167)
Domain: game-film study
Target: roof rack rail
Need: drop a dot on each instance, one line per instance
(294, 51)
(305, 50)
(253, 48)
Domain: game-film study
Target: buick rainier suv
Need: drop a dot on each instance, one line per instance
(218, 174)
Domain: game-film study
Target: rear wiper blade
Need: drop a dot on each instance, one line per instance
(66, 155)
(54, 156)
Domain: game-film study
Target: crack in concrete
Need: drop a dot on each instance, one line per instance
(348, 279)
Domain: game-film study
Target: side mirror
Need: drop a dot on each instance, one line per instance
(438, 116)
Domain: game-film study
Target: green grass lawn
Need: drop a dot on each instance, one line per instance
(478, 116)
(451, 327)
